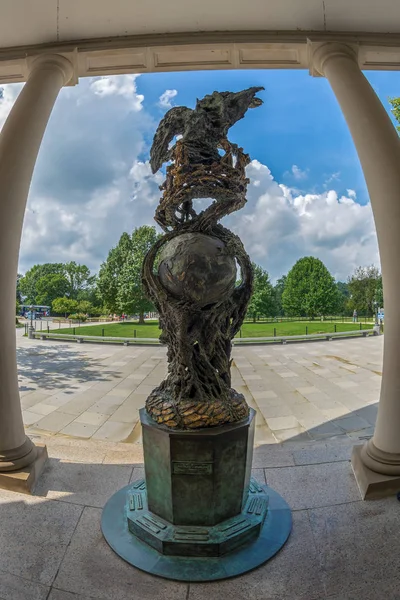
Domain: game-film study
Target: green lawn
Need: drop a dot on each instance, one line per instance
(150, 329)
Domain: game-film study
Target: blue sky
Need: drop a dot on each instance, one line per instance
(299, 124)
(307, 194)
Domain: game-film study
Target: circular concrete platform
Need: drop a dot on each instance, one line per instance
(274, 534)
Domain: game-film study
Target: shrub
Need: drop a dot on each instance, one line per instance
(77, 317)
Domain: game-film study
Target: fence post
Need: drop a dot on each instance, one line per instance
(134, 333)
(74, 330)
(335, 328)
(274, 331)
(240, 332)
(102, 332)
(41, 325)
(48, 328)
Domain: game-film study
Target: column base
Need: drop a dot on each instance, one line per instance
(372, 485)
(24, 480)
(18, 458)
(387, 463)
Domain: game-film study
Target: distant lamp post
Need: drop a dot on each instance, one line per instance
(31, 327)
(376, 312)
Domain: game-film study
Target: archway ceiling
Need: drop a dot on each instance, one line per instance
(26, 22)
(135, 36)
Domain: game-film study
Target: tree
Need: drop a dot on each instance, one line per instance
(131, 298)
(278, 290)
(120, 278)
(110, 270)
(18, 292)
(64, 305)
(85, 307)
(79, 280)
(262, 302)
(395, 102)
(344, 297)
(28, 283)
(310, 289)
(49, 287)
(365, 287)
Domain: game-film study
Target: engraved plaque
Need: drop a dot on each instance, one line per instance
(191, 468)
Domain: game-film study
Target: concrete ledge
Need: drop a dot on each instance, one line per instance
(24, 480)
(372, 485)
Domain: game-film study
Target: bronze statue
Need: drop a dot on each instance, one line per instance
(200, 297)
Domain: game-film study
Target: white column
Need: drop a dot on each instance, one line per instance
(20, 141)
(378, 147)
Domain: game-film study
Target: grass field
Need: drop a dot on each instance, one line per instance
(150, 329)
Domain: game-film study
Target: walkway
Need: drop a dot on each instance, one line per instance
(340, 549)
(302, 391)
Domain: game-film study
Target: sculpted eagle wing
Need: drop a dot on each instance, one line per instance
(171, 125)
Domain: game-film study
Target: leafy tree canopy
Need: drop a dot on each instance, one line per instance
(278, 290)
(310, 289)
(395, 102)
(64, 305)
(365, 286)
(262, 302)
(44, 283)
(120, 277)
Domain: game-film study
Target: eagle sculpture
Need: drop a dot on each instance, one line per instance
(202, 128)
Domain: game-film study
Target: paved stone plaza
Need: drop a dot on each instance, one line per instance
(300, 391)
(317, 399)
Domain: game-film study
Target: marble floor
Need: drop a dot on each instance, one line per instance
(341, 548)
(314, 402)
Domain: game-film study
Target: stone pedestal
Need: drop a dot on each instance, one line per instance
(198, 515)
(197, 477)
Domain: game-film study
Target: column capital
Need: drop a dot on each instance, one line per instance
(320, 53)
(53, 61)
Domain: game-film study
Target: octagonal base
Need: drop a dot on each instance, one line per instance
(273, 533)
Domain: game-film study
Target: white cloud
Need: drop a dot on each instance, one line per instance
(166, 97)
(298, 173)
(120, 85)
(91, 184)
(278, 226)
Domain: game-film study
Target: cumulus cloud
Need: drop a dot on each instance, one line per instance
(298, 173)
(92, 182)
(166, 97)
(120, 85)
(278, 226)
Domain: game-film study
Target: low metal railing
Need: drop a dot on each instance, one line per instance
(282, 339)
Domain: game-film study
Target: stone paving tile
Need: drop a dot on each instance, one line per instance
(324, 452)
(387, 589)
(277, 423)
(92, 418)
(82, 380)
(16, 588)
(55, 421)
(272, 455)
(314, 485)
(295, 433)
(30, 417)
(114, 431)
(81, 430)
(91, 568)
(80, 483)
(34, 536)
(293, 574)
(352, 423)
(357, 544)
(62, 595)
